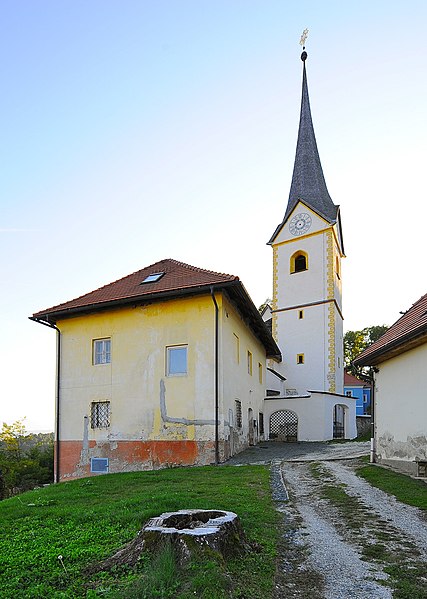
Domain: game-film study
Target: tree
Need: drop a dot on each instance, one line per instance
(26, 460)
(11, 436)
(355, 342)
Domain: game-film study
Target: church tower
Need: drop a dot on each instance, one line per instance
(307, 317)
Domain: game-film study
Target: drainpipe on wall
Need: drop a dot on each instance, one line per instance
(216, 384)
(58, 368)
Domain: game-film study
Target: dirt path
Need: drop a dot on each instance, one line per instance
(343, 539)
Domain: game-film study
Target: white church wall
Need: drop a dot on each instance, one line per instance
(317, 223)
(315, 415)
(304, 336)
(306, 286)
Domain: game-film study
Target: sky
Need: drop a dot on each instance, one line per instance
(139, 130)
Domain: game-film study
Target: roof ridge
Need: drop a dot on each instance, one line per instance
(120, 288)
(104, 286)
(198, 269)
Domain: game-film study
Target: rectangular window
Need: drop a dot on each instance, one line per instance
(176, 360)
(300, 358)
(238, 408)
(365, 398)
(99, 464)
(260, 372)
(100, 414)
(249, 362)
(301, 314)
(349, 394)
(261, 423)
(237, 348)
(102, 351)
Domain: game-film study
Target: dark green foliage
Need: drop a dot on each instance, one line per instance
(355, 342)
(26, 461)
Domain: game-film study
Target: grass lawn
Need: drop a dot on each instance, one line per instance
(404, 488)
(86, 520)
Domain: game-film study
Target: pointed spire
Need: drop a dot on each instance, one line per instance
(308, 182)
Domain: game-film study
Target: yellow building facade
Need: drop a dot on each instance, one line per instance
(158, 381)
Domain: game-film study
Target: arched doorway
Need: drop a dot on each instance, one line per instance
(339, 421)
(284, 426)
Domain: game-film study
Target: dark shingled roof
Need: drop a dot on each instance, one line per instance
(407, 332)
(308, 182)
(179, 279)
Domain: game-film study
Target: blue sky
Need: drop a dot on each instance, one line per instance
(136, 131)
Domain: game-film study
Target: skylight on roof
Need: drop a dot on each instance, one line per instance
(153, 277)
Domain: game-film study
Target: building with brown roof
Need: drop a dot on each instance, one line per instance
(169, 364)
(399, 360)
(163, 367)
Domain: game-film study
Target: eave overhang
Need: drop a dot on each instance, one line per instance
(234, 290)
(394, 348)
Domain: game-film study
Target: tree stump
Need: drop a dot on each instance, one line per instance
(188, 531)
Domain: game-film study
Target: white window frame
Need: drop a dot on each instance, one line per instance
(102, 355)
(169, 351)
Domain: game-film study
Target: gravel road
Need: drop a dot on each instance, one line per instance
(341, 535)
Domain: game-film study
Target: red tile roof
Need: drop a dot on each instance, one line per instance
(407, 332)
(178, 276)
(353, 381)
(178, 279)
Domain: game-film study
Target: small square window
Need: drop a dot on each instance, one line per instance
(100, 414)
(300, 358)
(176, 360)
(249, 362)
(102, 351)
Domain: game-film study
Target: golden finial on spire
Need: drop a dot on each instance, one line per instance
(304, 36)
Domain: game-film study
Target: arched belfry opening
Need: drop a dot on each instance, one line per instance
(299, 261)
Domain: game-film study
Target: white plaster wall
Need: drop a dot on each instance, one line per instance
(401, 406)
(304, 336)
(306, 286)
(315, 415)
(317, 223)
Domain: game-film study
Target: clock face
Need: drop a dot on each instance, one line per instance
(300, 223)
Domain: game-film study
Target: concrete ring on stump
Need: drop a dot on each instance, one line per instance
(188, 532)
(195, 530)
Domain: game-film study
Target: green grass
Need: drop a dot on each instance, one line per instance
(87, 520)
(404, 488)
